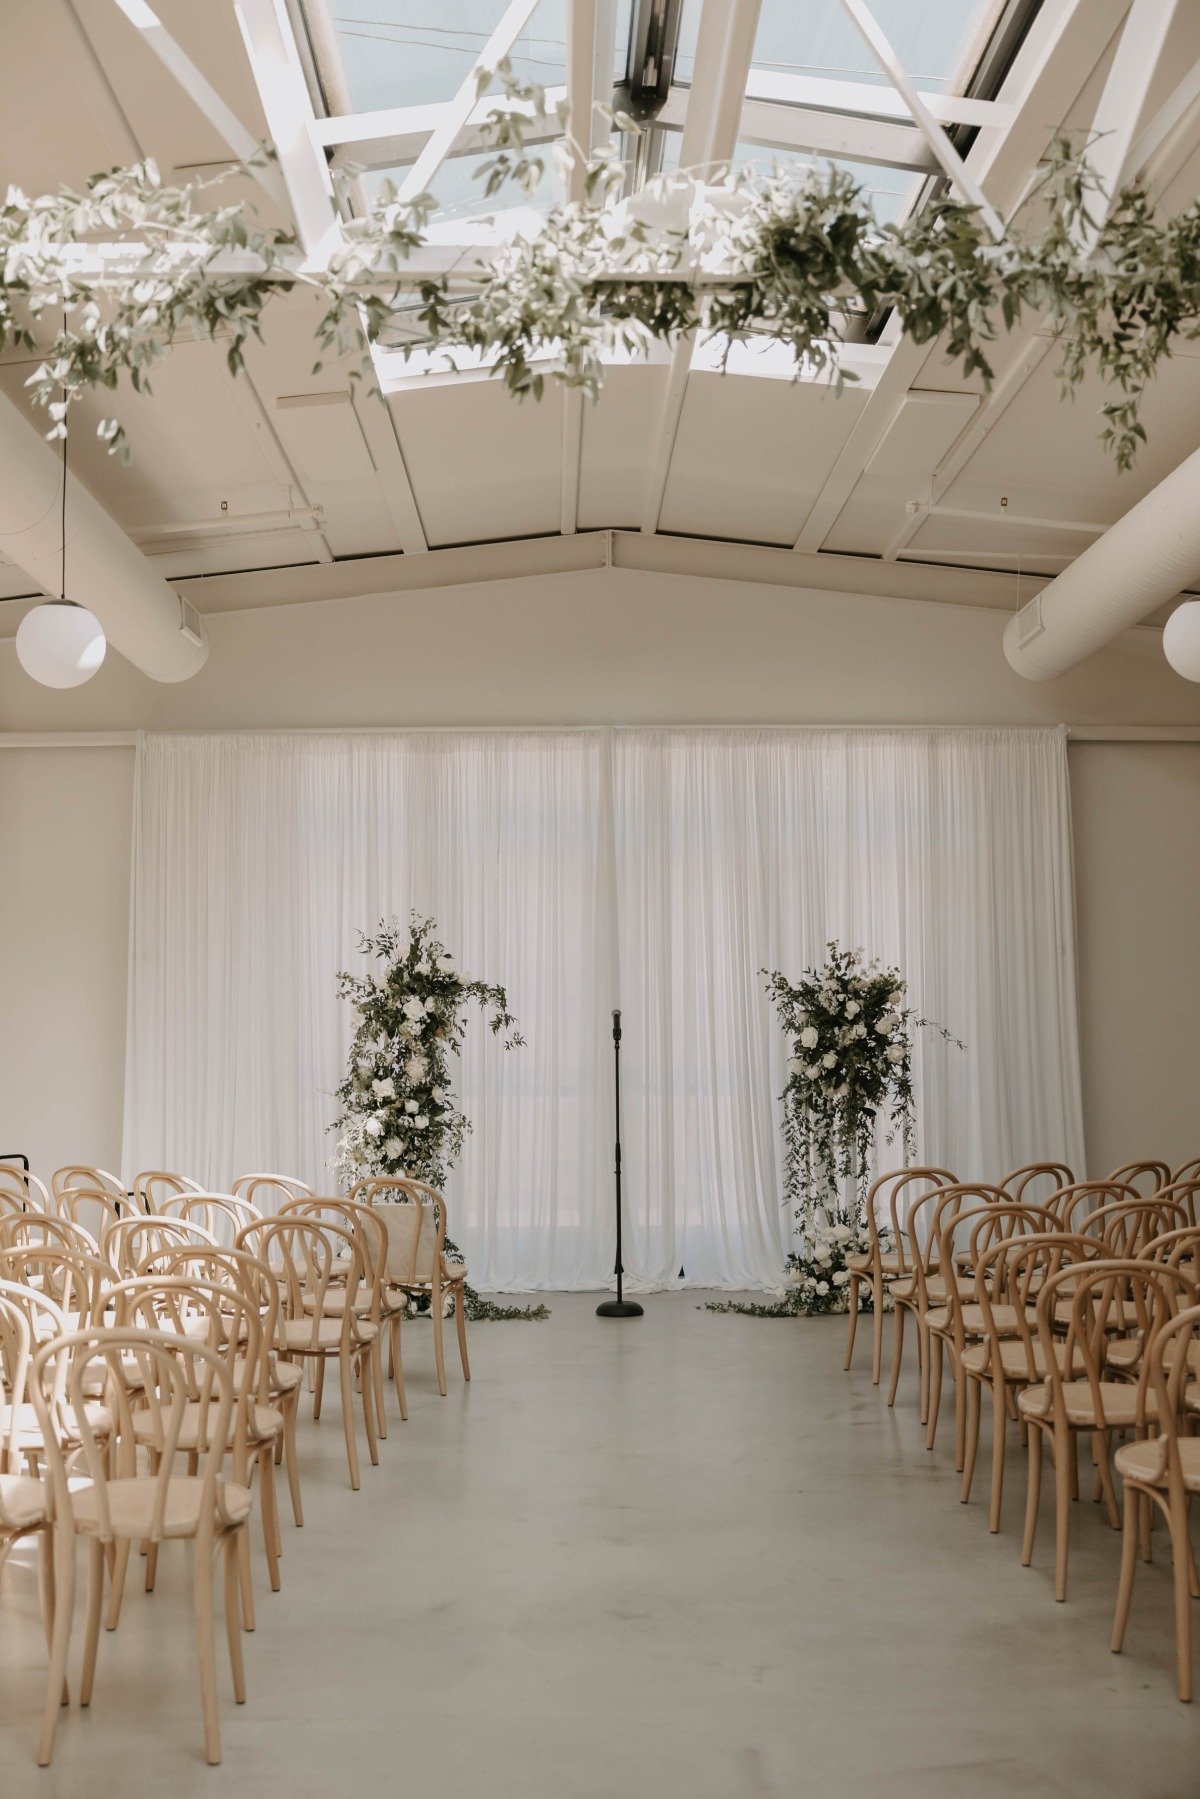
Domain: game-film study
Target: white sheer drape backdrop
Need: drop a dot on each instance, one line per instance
(656, 870)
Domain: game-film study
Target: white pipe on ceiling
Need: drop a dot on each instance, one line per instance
(106, 572)
(1143, 560)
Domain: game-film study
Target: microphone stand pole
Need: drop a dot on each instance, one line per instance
(620, 1307)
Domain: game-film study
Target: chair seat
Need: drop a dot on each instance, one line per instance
(324, 1334)
(889, 1263)
(334, 1303)
(452, 1274)
(1118, 1398)
(27, 1432)
(264, 1423)
(284, 1377)
(22, 1501)
(935, 1288)
(131, 1506)
(1014, 1359)
(1142, 1461)
(1004, 1318)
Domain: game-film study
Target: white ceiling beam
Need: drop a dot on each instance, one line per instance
(724, 47)
(951, 162)
(458, 110)
(819, 133)
(398, 134)
(279, 76)
(203, 95)
(582, 25)
(825, 93)
(1138, 54)
(1174, 115)
(1063, 46)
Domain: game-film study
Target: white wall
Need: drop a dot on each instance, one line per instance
(597, 647)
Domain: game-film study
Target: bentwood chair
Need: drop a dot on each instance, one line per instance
(1147, 1177)
(178, 1382)
(310, 1258)
(93, 1209)
(933, 1281)
(417, 1264)
(25, 1189)
(1050, 1177)
(1080, 1392)
(154, 1185)
(1074, 1204)
(370, 1232)
(1126, 1226)
(78, 1174)
(890, 1199)
(221, 1215)
(1162, 1470)
(131, 1244)
(76, 1281)
(22, 1497)
(1187, 1171)
(1185, 1193)
(32, 1230)
(267, 1192)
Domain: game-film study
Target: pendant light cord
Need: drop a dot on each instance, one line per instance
(63, 594)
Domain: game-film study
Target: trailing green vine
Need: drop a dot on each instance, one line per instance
(753, 256)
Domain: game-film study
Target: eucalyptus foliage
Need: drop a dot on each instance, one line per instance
(817, 1277)
(752, 257)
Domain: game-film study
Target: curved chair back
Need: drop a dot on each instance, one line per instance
(132, 1243)
(154, 1185)
(76, 1281)
(78, 1174)
(309, 1258)
(94, 1209)
(266, 1193)
(222, 1215)
(414, 1219)
(17, 1184)
(1145, 1177)
(1073, 1205)
(1104, 1297)
(1036, 1181)
(1127, 1225)
(30, 1229)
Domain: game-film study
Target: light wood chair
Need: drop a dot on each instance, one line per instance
(132, 1244)
(154, 1185)
(309, 1259)
(75, 1280)
(1162, 1470)
(1185, 1193)
(1187, 1171)
(1080, 1393)
(176, 1375)
(1074, 1204)
(78, 1174)
(1127, 1225)
(93, 1209)
(23, 1498)
(267, 1192)
(417, 1266)
(222, 1215)
(33, 1229)
(369, 1230)
(19, 1185)
(47, 1322)
(1052, 1177)
(1146, 1177)
(890, 1198)
(931, 1222)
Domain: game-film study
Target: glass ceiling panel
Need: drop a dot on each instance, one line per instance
(459, 192)
(888, 191)
(815, 37)
(374, 54)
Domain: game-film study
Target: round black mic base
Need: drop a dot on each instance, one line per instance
(619, 1308)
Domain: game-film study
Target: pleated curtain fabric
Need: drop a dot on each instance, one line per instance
(655, 870)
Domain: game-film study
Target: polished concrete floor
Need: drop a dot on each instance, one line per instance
(685, 1555)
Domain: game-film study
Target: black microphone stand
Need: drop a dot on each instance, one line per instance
(620, 1307)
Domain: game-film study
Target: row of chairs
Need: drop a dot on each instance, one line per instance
(1074, 1309)
(181, 1335)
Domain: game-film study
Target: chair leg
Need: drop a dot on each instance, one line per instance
(366, 1387)
(438, 1354)
(290, 1408)
(999, 1430)
(206, 1647)
(116, 1591)
(233, 1620)
(460, 1319)
(64, 1606)
(270, 1512)
(923, 1365)
(348, 1418)
(398, 1368)
(1180, 1567)
(935, 1387)
(376, 1364)
(1100, 1447)
(1033, 1492)
(897, 1352)
(244, 1579)
(91, 1635)
(876, 1328)
(974, 1402)
(1064, 1462)
(319, 1389)
(960, 1407)
(853, 1321)
(1129, 1540)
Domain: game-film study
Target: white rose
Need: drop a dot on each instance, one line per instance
(393, 1148)
(373, 1128)
(884, 1024)
(439, 1095)
(852, 1008)
(411, 1107)
(895, 1052)
(415, 1067)
(829, 1060)
(421, 1122)
(841, 1092)
(808, 1036)
(860, 1030)
(841, 1277)
(841, 1233)
(813, 1070)
(897, 998)
(423, 966)
(413, 1008)
(822, 1288)
(445, 964)
(385, 1089)
(795, 1065)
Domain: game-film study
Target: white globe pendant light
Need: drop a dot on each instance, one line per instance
(1181, 640)
(60, 644)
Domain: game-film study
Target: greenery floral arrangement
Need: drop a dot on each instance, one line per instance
(753, 256)
(850, 1027)
(817, 1278)
(399, 1113)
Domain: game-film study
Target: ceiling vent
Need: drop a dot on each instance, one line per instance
(191, 624)
(1029, 621)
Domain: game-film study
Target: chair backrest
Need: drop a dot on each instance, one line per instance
(33, 1228)
(1127, 1225)
(981, 1226)
(888, 1204)
(267, 1192)
(94, 1209)
(414, 1218)
(218, 1313)
(948, 1205)
(1074, 1204)
(1169, 1362)
(1145, 1177)
(44, 1316)
(19, 1186)
(1036, 1181)
(1187, 1171)
(363, 1222)
(230, 1268)
(170, 1375)
(1182, 1245)
(78, 1174)
(1106, 1296)
(1011, 1272)
(309, 1258)
(154, 1185)
(130, 1243)
(16, 1348)
(222, 1215)
(1185, 1193)
(75, 1281)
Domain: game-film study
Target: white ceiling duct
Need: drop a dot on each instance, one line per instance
(1140, 563)
(142, 617)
